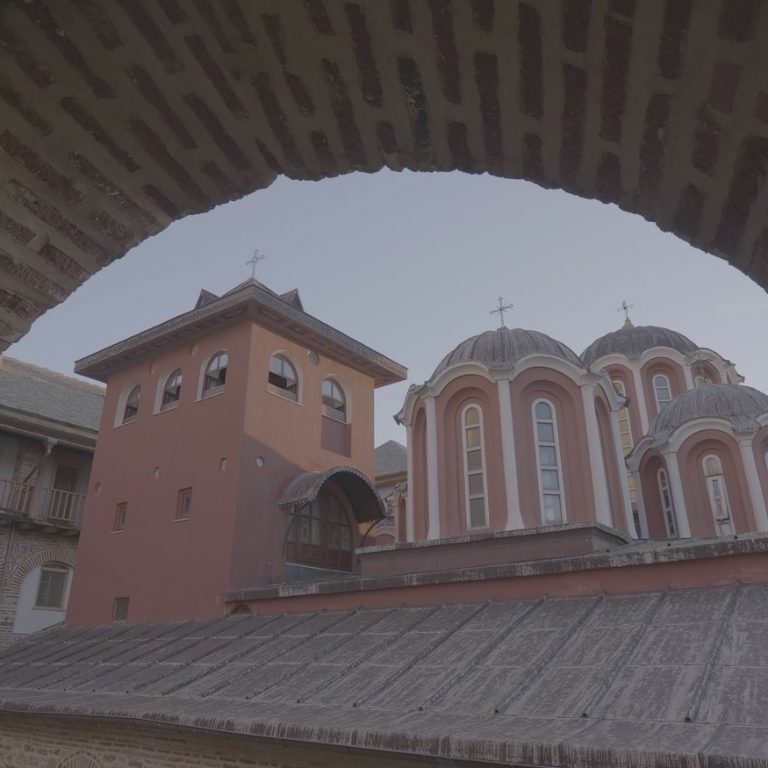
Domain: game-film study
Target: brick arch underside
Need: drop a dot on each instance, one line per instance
(121, 116)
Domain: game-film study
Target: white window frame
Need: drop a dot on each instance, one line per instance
(59, 568)
(667, 510)
(664, 376)
(162, 384)
(724, 525)
(203, 393)
(122, 401)
(464, 428)
(537, 443)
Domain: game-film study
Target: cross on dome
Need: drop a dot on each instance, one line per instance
(254, 260)
(500, 310)
(625, 309)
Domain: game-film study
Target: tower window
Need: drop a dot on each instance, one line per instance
(334, 400)
(131, 408)
(120, 609)
(215, 373)
(282, 378)
(171, 390)
(475, 492)
(121, 516)
(184, 504)
(548, 463)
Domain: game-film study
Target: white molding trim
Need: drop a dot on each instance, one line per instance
(345, 391)
(622, 470)
(688, 376)
(637, 380)
(753, 482)
(596, 466)
(160, 388)
(411, 485)
(433, 494)
(123, 399)
(690, 428)
(678, 497)
(299, 377)
(199, 394)
(509, 456)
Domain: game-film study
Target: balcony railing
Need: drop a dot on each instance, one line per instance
(47, 505)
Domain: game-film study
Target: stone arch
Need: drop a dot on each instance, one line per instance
(116, 124)
(80, 760)
(37, 559)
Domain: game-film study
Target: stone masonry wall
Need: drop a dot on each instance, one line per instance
(29, 741)
(20, 551)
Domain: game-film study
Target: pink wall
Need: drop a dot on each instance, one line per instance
(565, 395)
(464, 391)
(690, 457)
(649, 469)
(760, 447)
(610, 462)
(418, 488)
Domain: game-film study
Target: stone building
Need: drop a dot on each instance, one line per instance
(48, 425)
(235, 450)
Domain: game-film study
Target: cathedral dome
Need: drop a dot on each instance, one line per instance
(739, 404)
(631, 341)
(502, 348)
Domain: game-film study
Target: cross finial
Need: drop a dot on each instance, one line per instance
(500, 310)
(625, 309)
(254, 260)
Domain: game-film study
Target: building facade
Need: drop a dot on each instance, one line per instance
(236, 449)
(48, 425)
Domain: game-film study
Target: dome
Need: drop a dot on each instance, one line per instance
(631, 341)
(502, 348)
(739, 404)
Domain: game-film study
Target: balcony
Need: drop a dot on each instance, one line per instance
(46, 506)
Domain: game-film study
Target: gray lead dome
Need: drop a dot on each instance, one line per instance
(502, 348)
(633, 341)
(739, 404)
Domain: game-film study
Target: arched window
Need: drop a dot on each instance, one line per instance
(661, 390)
(131, 407)
(667, 507)
(334, 400)
(475, 492)
(320, 534)
(718, 494)
(52, 586)
(283, 379)
(215, 376)
(548, 462)
(171, 391)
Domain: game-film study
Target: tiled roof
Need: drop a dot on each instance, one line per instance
(631, 341)
(40, 392)
(664, 678)
(391, 458)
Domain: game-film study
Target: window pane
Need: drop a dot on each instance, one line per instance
(472, 416)
(550, 480)
(543, 411)
(216, 372)
(546, 432)
(712, 466)
(477, 517)
(474, 460)
(553, 514)
(547, 456)
(172, 389)
(282, 375)
(473, 437)
(50, 593)
(476, 485)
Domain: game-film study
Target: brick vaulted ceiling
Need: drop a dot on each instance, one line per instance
(120, 116)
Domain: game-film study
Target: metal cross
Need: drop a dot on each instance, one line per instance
(254, 260)
(625, 309)
(500, 310)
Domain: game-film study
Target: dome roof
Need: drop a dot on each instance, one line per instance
(740, 404)
(502, 348)
(631, 341)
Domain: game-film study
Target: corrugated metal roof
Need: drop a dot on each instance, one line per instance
(656, 678)
(30, 389)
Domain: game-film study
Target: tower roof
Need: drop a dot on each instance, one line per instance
(631, 341)
(503, 347)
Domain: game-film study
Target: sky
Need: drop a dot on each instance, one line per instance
(411, 265)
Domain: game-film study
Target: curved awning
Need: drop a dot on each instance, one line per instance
(360, 491)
